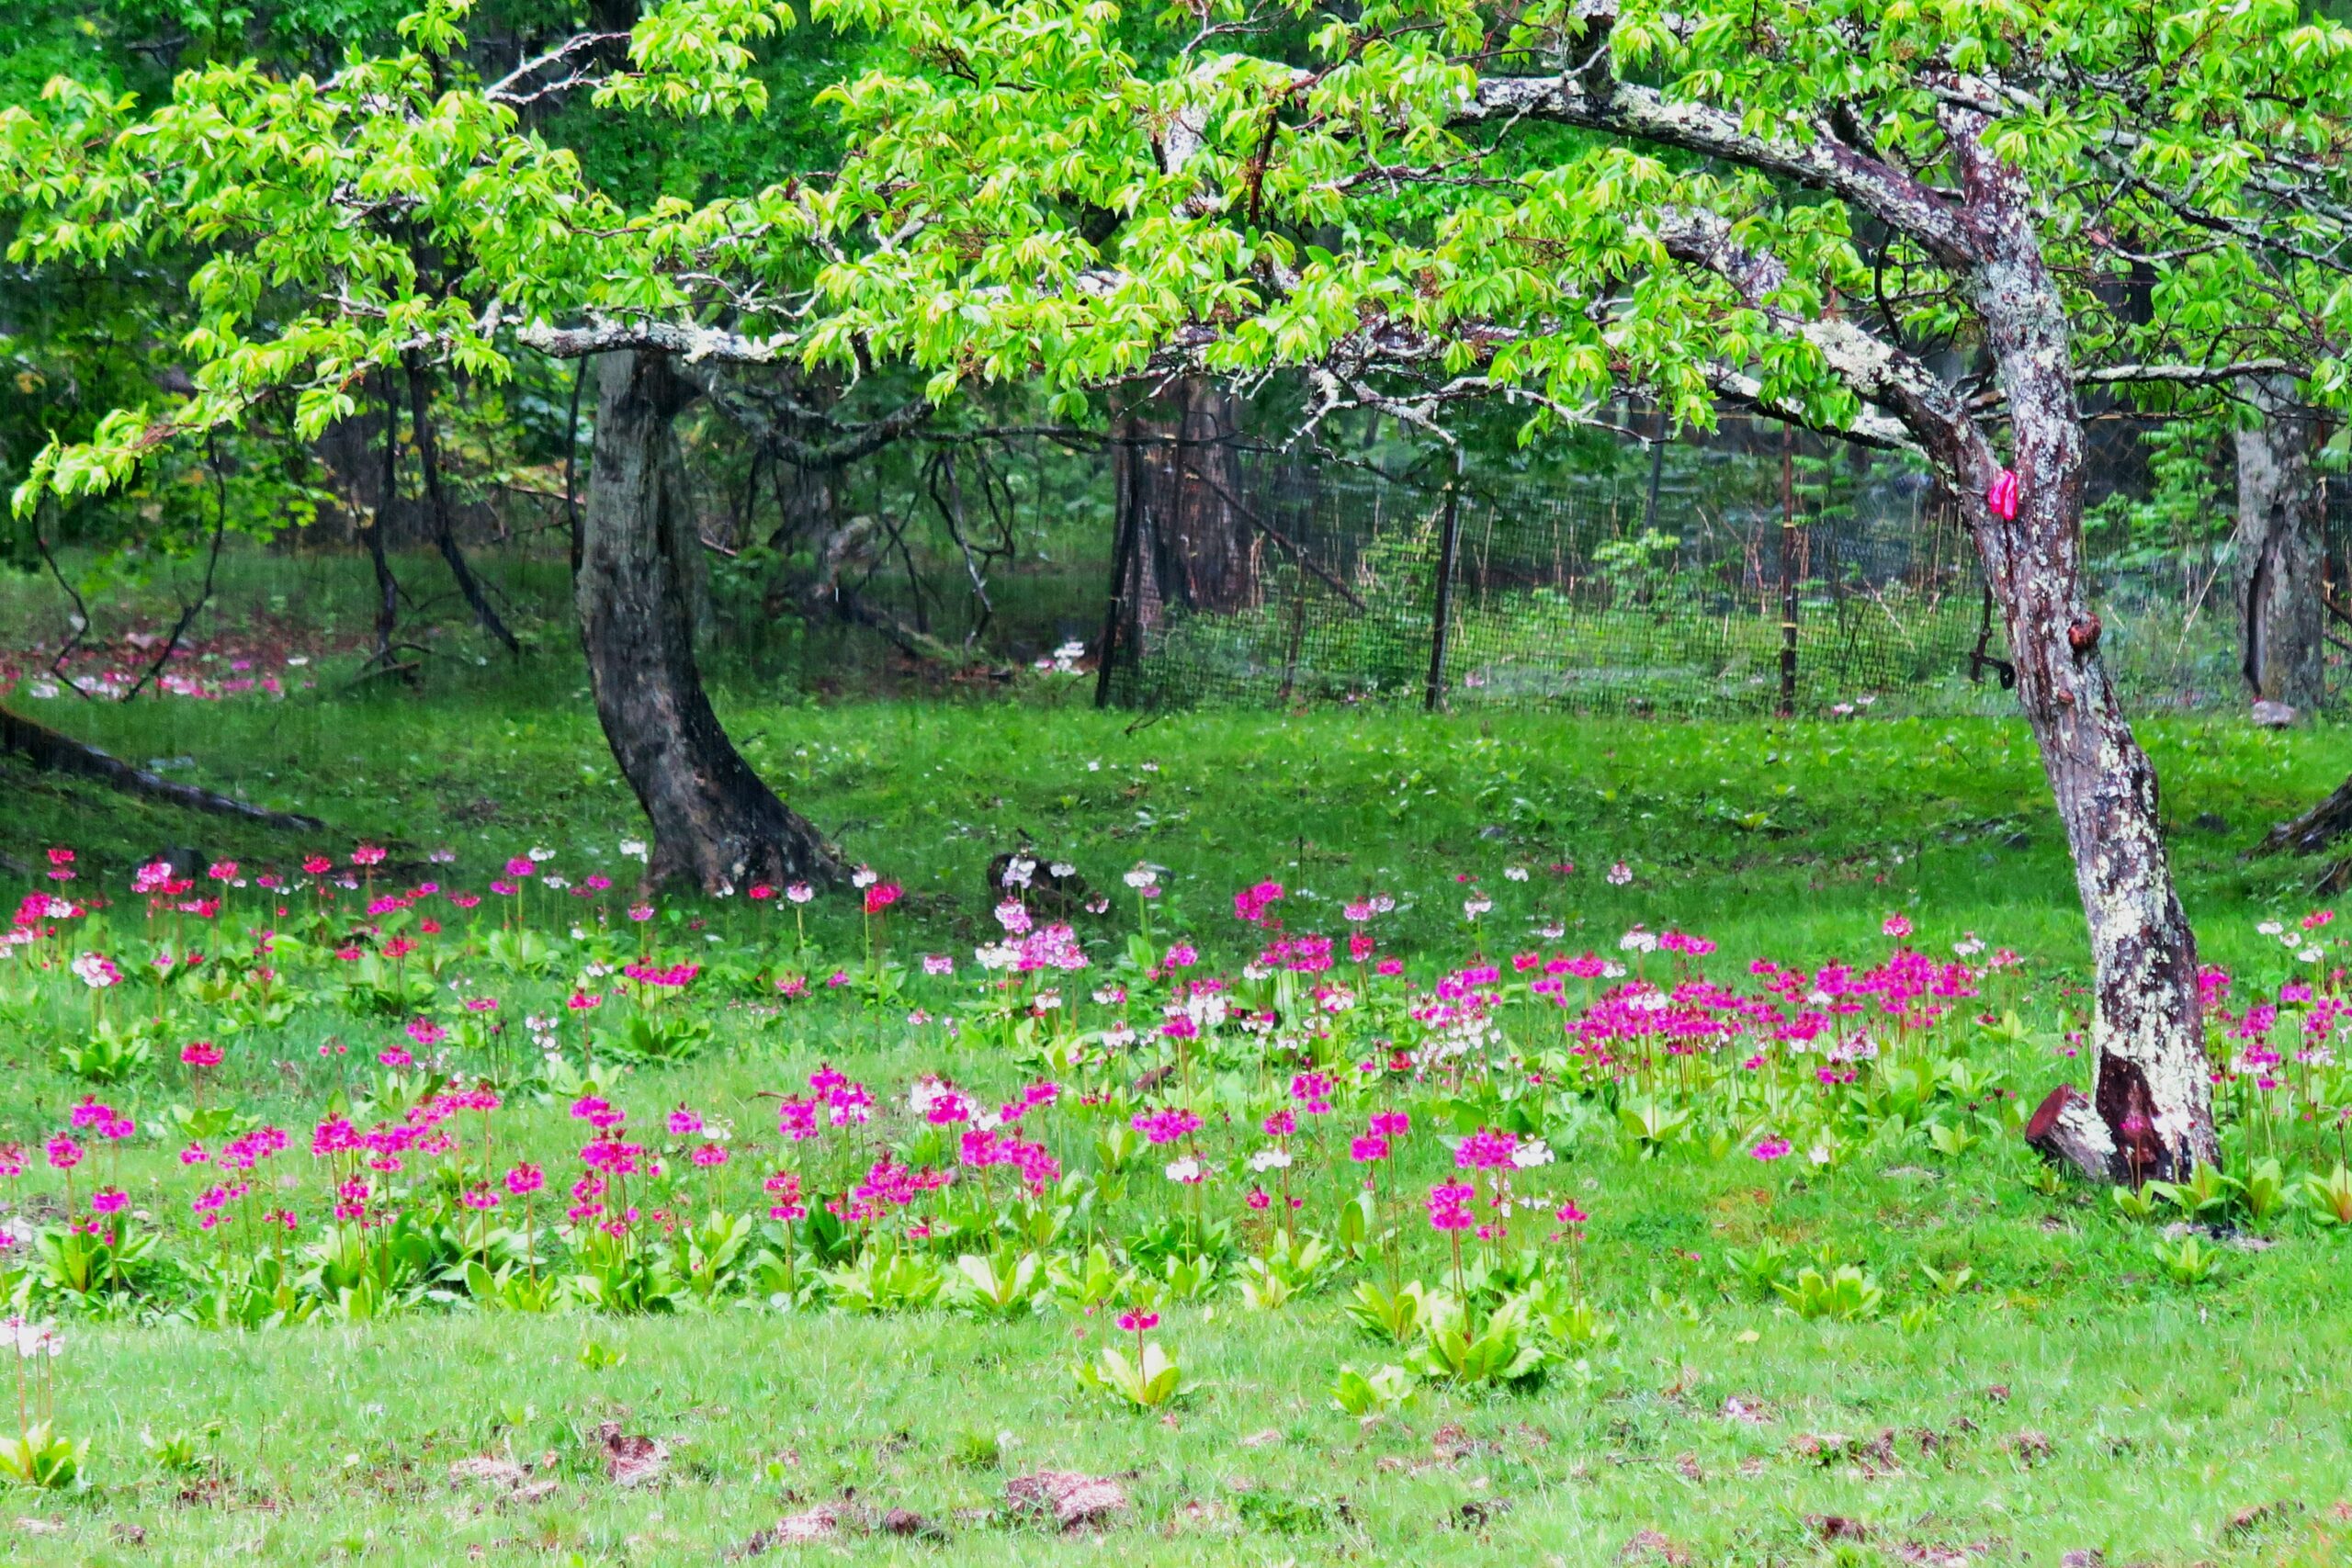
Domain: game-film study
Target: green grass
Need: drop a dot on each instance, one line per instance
(1797, 837)
(2139, 1418)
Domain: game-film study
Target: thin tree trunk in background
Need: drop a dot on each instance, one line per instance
(388, 588)
(571, 462)
(2151, 1112)
(444, 533)
(2280, 549)
(714, 820)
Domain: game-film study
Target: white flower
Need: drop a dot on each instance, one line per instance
(1119, 1037)
(1638, 940)
(1515, 874)
(800, 893)
(2270, 927)
(863, 877)
(1528, 1155)
(1062, 868)
(1187, 1171)
(1477, 905)
(1142, 876)
(2309, 955)
(541, 852)
(634, 848)
(1620, 875)
(1267, 1159)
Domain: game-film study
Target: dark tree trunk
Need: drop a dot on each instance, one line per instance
(1203, 545)
(714, 820)
(2315, 829)
(388, 588)
(2150, 1113)
(445, 526)
(45, 748)
(2280, 549)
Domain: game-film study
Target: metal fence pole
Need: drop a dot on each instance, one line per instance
(1449, 544)
(1787, 571)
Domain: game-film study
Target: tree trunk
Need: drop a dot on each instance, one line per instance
(2151, 1112)
(45, 748)
(445, 525)
(2279, 548)
(713, 817)
(1203, 548)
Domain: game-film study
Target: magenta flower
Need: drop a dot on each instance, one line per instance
(525, 1180)
(1448, 1205)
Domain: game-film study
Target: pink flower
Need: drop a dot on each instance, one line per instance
(1368, 1148)
(710, 1154)
(525, 1179)
(366, 854)
(479, 1198)
(200, 1053)
(2002, 497)
(1771, 1149)
(685, 1123)
(1138, 1322)
(63, 1153)
(427, 1033)
(881, 896)
(1448, 1205)
(109, 1201)
(1569, 1215)
(1896, 926)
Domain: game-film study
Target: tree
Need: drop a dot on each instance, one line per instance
(713, 817)
(394, 221)
(1913, 226)
(2281, 545)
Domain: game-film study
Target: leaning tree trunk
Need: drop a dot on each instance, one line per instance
(2279, 548)
(2151, 1111)
(713, 817)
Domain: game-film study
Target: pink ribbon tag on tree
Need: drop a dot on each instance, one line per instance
(2003, 497)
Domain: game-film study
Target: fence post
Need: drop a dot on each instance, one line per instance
(1449, 544)
(1787, 571)
(1126, 492)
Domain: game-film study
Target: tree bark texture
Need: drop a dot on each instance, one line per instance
(1204, 551)
(714, 820)
(2280, 549)
(2150, 1113)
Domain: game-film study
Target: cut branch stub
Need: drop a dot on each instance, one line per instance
(2065, 1130)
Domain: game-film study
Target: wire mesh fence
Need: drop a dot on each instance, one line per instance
(1336, 582)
